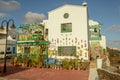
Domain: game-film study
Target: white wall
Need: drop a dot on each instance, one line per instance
(10, 43)
(103, 42)
(2, 46)
(11, 34)
(78, 17)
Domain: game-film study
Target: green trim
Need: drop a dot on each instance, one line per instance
(95, 26)
(95, 38)
(34, 43)
(24, 26)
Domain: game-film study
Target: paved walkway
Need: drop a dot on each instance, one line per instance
(24, 73)
(93, 74)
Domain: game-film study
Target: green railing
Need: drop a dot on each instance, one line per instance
(95, 26)
(95, 38)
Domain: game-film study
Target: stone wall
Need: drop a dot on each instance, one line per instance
(107, 75)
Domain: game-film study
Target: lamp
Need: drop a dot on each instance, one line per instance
(2, 28)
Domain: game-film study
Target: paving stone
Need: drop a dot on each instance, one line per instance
(25, 73)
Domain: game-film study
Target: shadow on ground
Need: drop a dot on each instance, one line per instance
(11, 70)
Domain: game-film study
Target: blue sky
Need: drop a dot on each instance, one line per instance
(107, 12)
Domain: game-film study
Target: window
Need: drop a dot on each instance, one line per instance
(66, 27)
(46, 32)
(8, 48)
(66, 15)
(67, 50)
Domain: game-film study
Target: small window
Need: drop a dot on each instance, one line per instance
(46, 31)
(1, 52)
(66, 15)
(8, 48)
(14, 37)
(66, 27)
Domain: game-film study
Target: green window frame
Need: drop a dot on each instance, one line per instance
(66, 27)
(67, 50)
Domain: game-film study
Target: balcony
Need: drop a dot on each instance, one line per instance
(95, 38)
(28, 37)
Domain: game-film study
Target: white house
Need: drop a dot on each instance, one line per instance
(11, 41)
(68, 32)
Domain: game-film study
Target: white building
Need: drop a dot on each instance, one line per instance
(68, 32)
(11, 41)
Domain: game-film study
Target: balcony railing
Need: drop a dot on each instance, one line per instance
(95, 38)
(28, 37)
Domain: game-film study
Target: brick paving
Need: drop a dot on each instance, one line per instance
(25, 73)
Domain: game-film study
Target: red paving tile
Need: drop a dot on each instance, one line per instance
(43, 74)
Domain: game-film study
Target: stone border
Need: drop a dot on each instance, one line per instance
(107, 75)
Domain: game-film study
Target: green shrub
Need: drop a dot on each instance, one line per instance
(65, 64)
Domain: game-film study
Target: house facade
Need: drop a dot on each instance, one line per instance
(68, 32)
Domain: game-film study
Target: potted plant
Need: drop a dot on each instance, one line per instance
(78, 64)
(71, 64)
(65, 64)
(15, 61)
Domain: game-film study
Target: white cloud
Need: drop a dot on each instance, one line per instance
(2, 15)
(113, 43)
(31, 17)
(9, 5)
(115, 28)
